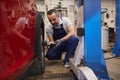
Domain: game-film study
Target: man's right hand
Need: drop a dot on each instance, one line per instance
(51, 46)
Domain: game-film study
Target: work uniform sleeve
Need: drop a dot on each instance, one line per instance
(49, 30)
(67, 21)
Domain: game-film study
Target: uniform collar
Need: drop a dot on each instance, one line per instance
(61, 22)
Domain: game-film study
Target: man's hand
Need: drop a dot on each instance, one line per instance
(58, 42)
(51, 46)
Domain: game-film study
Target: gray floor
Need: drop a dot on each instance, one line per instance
(113, 66)
(55, 70)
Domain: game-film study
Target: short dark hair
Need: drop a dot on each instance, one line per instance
(51, 11)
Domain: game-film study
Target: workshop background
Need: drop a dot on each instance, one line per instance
(69, 8)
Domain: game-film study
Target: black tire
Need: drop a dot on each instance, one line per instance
(37, 66)
(39, 59)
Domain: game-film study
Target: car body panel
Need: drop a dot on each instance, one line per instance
(15, 54)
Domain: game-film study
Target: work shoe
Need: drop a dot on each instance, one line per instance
(66, 65)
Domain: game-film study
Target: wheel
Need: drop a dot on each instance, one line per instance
(39, 59)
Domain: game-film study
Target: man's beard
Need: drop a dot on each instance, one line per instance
(55, 24)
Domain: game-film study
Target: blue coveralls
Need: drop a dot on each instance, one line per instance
(68, 46)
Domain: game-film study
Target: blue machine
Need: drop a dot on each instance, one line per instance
(93, 54)
(116, 48)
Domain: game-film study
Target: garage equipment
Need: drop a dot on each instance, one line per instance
(94, 65)
(116, 48)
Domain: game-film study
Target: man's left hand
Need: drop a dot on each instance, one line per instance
(58, 42)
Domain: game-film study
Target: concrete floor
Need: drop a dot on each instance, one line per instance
(113, 66)
(55, 70)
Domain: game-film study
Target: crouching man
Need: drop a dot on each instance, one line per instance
(61, 37)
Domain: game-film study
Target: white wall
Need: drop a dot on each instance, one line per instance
(68, 4)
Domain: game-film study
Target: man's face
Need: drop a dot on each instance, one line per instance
(31, 19)
(54, 19)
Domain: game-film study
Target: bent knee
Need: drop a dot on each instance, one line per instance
(73, 38)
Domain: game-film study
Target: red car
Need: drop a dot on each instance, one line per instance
(17, 57)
